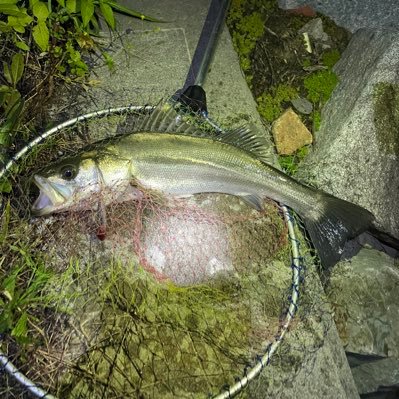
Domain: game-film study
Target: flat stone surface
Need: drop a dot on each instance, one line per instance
(153, 59)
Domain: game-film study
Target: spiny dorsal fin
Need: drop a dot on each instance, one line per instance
(166, 118)
(246, 139)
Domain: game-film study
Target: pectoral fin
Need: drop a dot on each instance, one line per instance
(253, 201)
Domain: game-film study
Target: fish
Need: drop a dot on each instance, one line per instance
(167, 153)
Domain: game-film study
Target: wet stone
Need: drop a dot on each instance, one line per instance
(315, 30)
(290, 133)
(302, 105)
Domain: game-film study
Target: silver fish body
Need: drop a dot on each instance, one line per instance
(179, 165)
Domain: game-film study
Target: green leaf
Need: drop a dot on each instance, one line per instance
(61, 3)
(123, 10)
(13, 114)
(8, 2)
(12, 97)
(7, 73)
(17, 68)
(87, 11)
(4, 137)
(10, 9)
(71, 5)
(40, 11)
(5, 187)
(22, 46)
(8, 284)
(4, 27)
(19, 23)
(108, 14)
(96, 28)
(4, 93)
(21, 328)
(41, 35)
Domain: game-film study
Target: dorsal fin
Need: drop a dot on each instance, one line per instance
(166, 118)
(246, 139)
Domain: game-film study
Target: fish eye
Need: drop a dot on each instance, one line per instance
(68, 172)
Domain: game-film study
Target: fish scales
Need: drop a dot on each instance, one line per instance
(185, 164)
(182, 165)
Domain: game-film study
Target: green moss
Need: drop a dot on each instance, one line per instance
(320, 85)
(270, 105)
(160, 336)
(386, 116)
(330, 58)
(316, 119)
(247, 30)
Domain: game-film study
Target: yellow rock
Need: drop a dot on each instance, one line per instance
(290, 133)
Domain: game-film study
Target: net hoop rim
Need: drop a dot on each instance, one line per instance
(296, 264)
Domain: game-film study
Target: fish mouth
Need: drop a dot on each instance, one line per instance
(51, 197)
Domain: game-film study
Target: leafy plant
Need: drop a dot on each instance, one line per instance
(10, 97)
(20, 292)
(290, 163)
(44, 18)
(44, 39)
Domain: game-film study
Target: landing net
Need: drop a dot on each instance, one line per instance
(156, 297)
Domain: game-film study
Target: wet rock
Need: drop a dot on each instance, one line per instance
(379, 377)
(306, 11)
(364, 293)
(290, 133)
(314, 350)
(314, 29)
(302, 105)
(357, 147)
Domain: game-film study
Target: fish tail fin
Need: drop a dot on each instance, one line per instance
(336, 223)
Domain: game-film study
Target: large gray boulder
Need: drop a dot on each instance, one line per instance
(363, 292)
(311, 362)
(357, 147)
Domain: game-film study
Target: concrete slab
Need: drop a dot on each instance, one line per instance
(153, 59)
